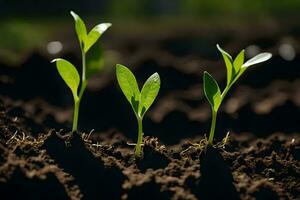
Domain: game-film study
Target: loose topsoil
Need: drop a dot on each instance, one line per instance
(41, 159)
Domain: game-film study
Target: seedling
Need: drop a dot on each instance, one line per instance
(89, 67)
(140, 101)
(235, 68)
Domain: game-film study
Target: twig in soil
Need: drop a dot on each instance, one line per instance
(203, 143)
(86, 137)
(24, 136)
(223, 142)
(133, 144)
(13, 137)
(291, 146)
(196, 146)
(24, 141)
(18, 138)
(97, 145)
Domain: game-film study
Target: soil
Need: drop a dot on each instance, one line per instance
(41, 159)
(61, 165)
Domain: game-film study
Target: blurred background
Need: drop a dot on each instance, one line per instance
(176, 38)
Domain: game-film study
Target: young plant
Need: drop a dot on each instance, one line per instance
(91, 62)
(140, 101)
(235, 68)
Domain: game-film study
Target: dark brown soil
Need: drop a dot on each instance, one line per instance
(60, 165)
(41, 159)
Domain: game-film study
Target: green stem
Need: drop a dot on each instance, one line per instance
(83, 65)
(214, 113)
(83, 79)
(82, 89)
(214, 117)
(138, 147)
(77, 99)
(212, 127)
(224, 93)
(76, 114)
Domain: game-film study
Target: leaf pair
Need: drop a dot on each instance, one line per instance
(87, 40)
(139, 100)
(94, 57)
(235, 68)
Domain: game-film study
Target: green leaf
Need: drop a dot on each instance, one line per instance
(80, 28)
(211, 91)
(257, 59)
(224, 52)
(239, 61)
(94, 60)
(262, 57)
(94, 35)
(228, 62)
(69, 74)
(129, 86)
(149, 93)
